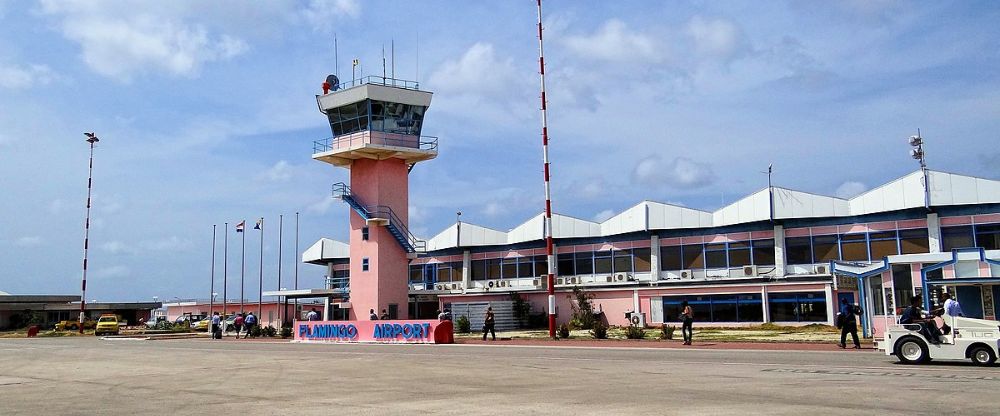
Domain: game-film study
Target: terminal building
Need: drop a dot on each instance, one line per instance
(777, 255)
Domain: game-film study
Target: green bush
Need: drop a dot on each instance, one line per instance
(667, 332)
(522, 310)
(286, 329)
(600, 330)
(269, 331)
(583, 309)
(634, 332)
(463, 324)
(563, 331)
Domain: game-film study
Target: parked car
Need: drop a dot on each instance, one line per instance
(107, 324)
(977, 340)
(201, 325)
(74, 325)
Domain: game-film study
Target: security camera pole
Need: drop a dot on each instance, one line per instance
(92, 139)
(917, 153)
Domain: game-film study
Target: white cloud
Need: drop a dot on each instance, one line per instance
(117, 247)
(478, 71)
(322, 14)
(850, 189)
(280, 172)
(494, 209)
(716, 38)
(615, 42)
(12, 77)
(31, 241)
(604, 215)
(172, 243)
(111, 272)
(681, 173)
(321, 206)
(120, 41)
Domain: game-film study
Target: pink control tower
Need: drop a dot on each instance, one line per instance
(376, 125)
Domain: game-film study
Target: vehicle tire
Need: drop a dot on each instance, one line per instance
(912, 350)
(982, 355)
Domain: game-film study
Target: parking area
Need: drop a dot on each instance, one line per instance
(84, 375)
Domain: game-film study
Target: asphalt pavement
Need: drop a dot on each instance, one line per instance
(88, 376)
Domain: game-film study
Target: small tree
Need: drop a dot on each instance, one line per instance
(463, 324)
(522, 309)
(583, 309)
(600, 330)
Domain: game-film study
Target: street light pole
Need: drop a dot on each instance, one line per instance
(92, 139)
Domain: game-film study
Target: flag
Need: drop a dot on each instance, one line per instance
(239, 227)
(260, 223)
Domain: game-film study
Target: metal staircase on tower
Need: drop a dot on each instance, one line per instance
(381, 215)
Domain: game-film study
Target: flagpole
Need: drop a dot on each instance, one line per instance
(260, 276)
(243, 267)
(225, 275)
(278, 303)
(211, 293)
(297, 260)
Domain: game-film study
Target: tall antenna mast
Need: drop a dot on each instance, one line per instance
(418, 58)
(336, 56)
(550, 256)
(383, 63)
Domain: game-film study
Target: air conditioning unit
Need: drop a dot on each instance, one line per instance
(821, 269)
(491, 283)
(610, 279)
(504, 283)
(636, 319)
(620, 277)
(573, 280)
(686, 274)
(536, 282)
(750, 271)
(439, 287)
(456, 286)
(630, 277)
(560, 281)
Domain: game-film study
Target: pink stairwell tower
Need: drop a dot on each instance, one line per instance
(376, 124)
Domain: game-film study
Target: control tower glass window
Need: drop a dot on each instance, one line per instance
(396, 118)
(349, 119)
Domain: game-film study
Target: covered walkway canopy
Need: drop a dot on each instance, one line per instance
(328, 295)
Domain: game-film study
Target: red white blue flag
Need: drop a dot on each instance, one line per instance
(239, 227)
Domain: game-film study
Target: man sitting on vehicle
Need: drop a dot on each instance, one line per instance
(913, 315)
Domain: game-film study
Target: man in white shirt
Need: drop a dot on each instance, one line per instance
(312, 315)
(951, 306)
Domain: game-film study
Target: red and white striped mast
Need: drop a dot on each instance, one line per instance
(550, 256)
(92, 139)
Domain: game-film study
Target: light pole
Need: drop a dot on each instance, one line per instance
(458, 229)
(917, 152)
(92, 139)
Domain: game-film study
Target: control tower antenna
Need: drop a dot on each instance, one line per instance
(336, 56)
(548, 194)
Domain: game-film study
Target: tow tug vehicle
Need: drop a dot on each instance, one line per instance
(975, 339)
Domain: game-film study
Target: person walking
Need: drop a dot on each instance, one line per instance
(687, 319)
(216, 332)
(489, 324)
(250, 322)
(238, 324)
(848, 323)
(312, 315)
(371, 315)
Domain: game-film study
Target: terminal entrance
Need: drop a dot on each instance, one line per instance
(424, 307)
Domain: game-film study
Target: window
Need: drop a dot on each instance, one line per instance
(564, 265)
(797, 307)
(364, 264)
(739, 254)
(903, 282)
(716, 308)
(478, 269)
(956, 237)
(364, 233)
(797, 250)
(524, 267)
(623, 261)
(825, 248)
(715, 256)
(602, 262)
(670, 258)
(882, 245)
(640, 257)
(988, 236)
(542, 266)
(694, 256)
(853, 247)
(444, 272)
(584, 263)
(509, 270)
(416, 273)
(493, 268)
(763, 253)
(914, 241)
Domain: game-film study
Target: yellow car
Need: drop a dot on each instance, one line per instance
(107, 324)
(201, 325)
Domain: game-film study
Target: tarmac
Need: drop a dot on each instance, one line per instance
(87, 376)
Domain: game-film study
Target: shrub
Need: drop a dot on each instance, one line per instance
(463, 324)
(286, 329)
(269, 331)
(634, 332)
(583, 309)
(522, 310)
(563, 331)
(667, 332)
(600, 330)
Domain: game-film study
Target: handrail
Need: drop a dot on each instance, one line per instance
(341, 190)
(378, 80)
(426, 143)
(338, 283)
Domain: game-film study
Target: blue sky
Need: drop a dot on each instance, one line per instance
(206, 114)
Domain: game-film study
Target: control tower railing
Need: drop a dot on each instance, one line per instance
(394, 224)
(361, 138)
(377, 80)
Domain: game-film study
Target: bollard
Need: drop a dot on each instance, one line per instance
(33, 331)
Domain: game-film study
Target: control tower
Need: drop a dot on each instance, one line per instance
(376, 124)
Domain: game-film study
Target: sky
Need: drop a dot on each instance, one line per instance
(206, 113)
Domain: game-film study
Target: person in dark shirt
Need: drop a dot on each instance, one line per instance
(489, 324)
(848, 323)
(914, 315)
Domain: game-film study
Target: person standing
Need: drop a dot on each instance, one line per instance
(385, 316)
(445, 315)
(216, 332)
(312, 315)
(848, 324)
(371, 315)
(238, 324)
(250, 322)
(687, 319)
(951, 306)
(489, 324)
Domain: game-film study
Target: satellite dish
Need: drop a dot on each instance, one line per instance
(333, 81)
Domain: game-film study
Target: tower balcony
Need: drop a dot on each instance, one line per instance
(342, 150)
